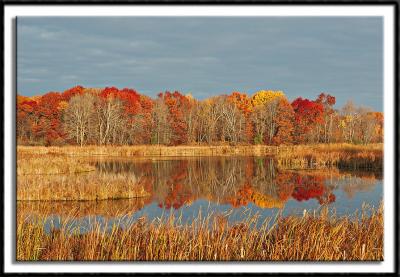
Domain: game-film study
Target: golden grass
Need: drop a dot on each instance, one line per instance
(327, 155)
(91, 186)
(48, 173)
(296, 156)
(79, 209)
(317, 237)
(32, 164)
(151, 150)
(60, 177)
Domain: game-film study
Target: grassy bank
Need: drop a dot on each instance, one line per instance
(346, 156)
(34, 164)
(91, 186)
(51, 173)
(151, 150)
(319, 237)
(60, 177)
(297, 156)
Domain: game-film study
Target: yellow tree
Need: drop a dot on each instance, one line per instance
(263, 97)
(266, 108)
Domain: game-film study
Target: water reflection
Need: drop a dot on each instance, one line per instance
(187, 186)
(237, 181)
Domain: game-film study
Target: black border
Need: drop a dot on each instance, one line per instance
(395, 4)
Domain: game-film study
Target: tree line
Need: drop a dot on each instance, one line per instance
(112, 116)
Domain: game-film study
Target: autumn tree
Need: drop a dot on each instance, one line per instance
(25, 118)
(178, 106)
(307, 115)
(349, 121)
(266, 106)
(369, 126)
(244, 104)
(283, 122)
(126, 117)
(47, 125)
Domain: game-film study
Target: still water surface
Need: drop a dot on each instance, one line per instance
(238, 186)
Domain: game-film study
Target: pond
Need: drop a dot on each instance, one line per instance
(234, 186)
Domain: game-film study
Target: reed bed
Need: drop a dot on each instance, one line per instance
(34, 164)
(320, 236)
(59, 177)
(151, 150)
(91, 186)
(348, 156)
(80, 209)
(342, 155)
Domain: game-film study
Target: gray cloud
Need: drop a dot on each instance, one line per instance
(204, 55)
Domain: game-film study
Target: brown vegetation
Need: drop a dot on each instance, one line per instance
(79, 209)
(33, 164)
(91, 186)
(324, 155)
(297, 156)
(318, 237)
(41, 170)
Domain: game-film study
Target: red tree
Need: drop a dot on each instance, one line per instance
(48, 115)
(307, 114)
(178, 106)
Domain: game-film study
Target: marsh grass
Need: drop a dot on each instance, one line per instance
(35, 164)
(105, 208)
(59, 177)
(343, 155)
(91, 186)
(66, 173)
(320, 236)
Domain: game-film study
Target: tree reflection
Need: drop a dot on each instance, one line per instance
(237, 181)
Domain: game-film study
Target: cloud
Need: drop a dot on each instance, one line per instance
(204, 55)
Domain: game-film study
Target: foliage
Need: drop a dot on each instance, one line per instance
(126, 117)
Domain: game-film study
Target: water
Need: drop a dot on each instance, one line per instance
(234, 186)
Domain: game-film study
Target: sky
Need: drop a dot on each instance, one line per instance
(205, 56)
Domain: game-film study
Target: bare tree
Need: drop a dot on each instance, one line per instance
(212, 115)
(232, 121)
(108, 115)
(77, 117)
(349, 121)
(161, 130)
(367, 124)
(264, 121)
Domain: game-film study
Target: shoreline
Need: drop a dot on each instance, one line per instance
(193, 150)
(341, 155)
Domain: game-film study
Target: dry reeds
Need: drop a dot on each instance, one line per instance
(91, 186)
(342, 155)
(297, 156)
(152, 150)
(34, 164)
(318, 237)
(60, 177)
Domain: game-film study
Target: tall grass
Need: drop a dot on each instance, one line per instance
(105, 208)
(92, 186)
(33, 164)
(313, 237)
(59, 177)
(296, 156)
(151, 150)
(342, 155)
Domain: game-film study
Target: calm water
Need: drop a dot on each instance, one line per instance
(217, 185)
